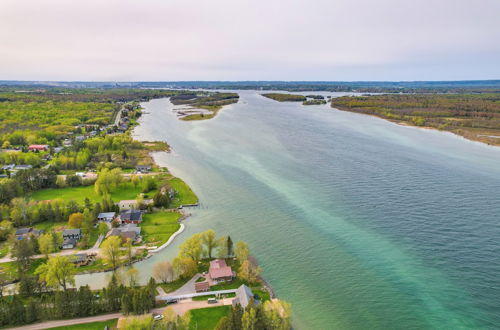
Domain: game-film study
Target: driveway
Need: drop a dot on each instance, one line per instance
(184, 306)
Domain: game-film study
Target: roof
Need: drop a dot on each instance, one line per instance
(143, 166)
(131, 215)
(130, 227)
(79, 257)
(68, 232)
(113, 232)
(201, 286)
(219, 268)
(243, 296)
(129, 234)
(106, 215)
(38, 146)
(22, 231)
(69, 241)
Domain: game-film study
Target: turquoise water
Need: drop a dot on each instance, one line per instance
(358, 222)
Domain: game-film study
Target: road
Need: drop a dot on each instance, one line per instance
(92, 250)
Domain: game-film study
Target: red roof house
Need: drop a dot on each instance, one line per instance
(38, 147)
(219, 271)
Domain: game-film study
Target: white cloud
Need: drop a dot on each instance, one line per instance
(239, 40)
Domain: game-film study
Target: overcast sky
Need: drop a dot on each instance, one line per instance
(162, 40)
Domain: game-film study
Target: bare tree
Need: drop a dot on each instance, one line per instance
(163, 272)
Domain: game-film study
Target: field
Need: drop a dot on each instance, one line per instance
(473, 116)
(207, 318)
(90, 326)
(158, 227)
(78, 194)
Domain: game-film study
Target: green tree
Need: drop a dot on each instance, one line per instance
(192, 248)
(209, 241)
(110, 249)
(249, 319)
(76, 220)
(102, 229)
(46, 244)
(184, 267)
(249, 272)
(58, 272)
(241, 251)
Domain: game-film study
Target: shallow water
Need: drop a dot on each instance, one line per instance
(358, 222)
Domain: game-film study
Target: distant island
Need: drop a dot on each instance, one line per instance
(473, 116)
(284, 97)
(202, 105)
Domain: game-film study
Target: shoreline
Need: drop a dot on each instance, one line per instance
(409, 125)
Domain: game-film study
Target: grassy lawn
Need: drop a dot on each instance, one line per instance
(10, 268)
(172, 286)
(158, 227)
(204, 298)
(184, 193)
(236, 283)
(50, 226)
(78, 194)
(90, 326)
(207, 318)
(4, 249)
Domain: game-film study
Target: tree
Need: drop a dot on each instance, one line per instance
(184, 267)
(46, 244)
(277, 314)
(191, 248)
(163, 272)
(241, 251)
(249, 272)
(132, 275)
(249, 319)
(22, 251)
(6, 228)
(58, 272)
(135, 180)
(76, 220)
(102, 228)
(129, 250)
(209, 240)
(111, 250)
(229, 245)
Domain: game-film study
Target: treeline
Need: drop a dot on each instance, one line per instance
(283, 97)
(465, 114)
(25, 182)
(41, 306)
(271, 315)
(205, 99)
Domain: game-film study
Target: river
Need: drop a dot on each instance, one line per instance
(358, 222)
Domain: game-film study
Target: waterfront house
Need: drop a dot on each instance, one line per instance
(81, 259)
(202, 286)
(219, 271)
(244, 296)
(69, 243)
(106, 216)
(129, 235)
(130, 227)
(38, 147)
(128, 204)
(142, 168)
(131, 216)
(113, 232)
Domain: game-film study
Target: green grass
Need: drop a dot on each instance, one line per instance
(236, 283)
(90, 326)
(207, 318)
(4, 249)
(204, 298)
(158, 227)
(9, 269)
(78, 194)
(47, 226)
(174, 285)
(184, 194)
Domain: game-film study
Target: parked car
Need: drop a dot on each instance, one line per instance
(171, 301)
(158, 317)
(212, 300)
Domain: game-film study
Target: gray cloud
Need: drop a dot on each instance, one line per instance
(249, 40)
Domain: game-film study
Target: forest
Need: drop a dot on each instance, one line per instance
(474, 116)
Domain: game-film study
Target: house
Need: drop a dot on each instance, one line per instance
(201, 286)
(219, 271)
(22, 167)
(131, 204)
(69, 243)
(67, 143)
(131, 216)
(9, 167)
(38, 147)
(72, 234)
(143, 168)
(130, 227)
(127, 204)
(81, 259)
(113, 232)
(79, 138)
(128, 235)
(22, 233)
(244, 296)
(106, 216)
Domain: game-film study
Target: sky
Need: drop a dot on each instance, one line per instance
(172, 40)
